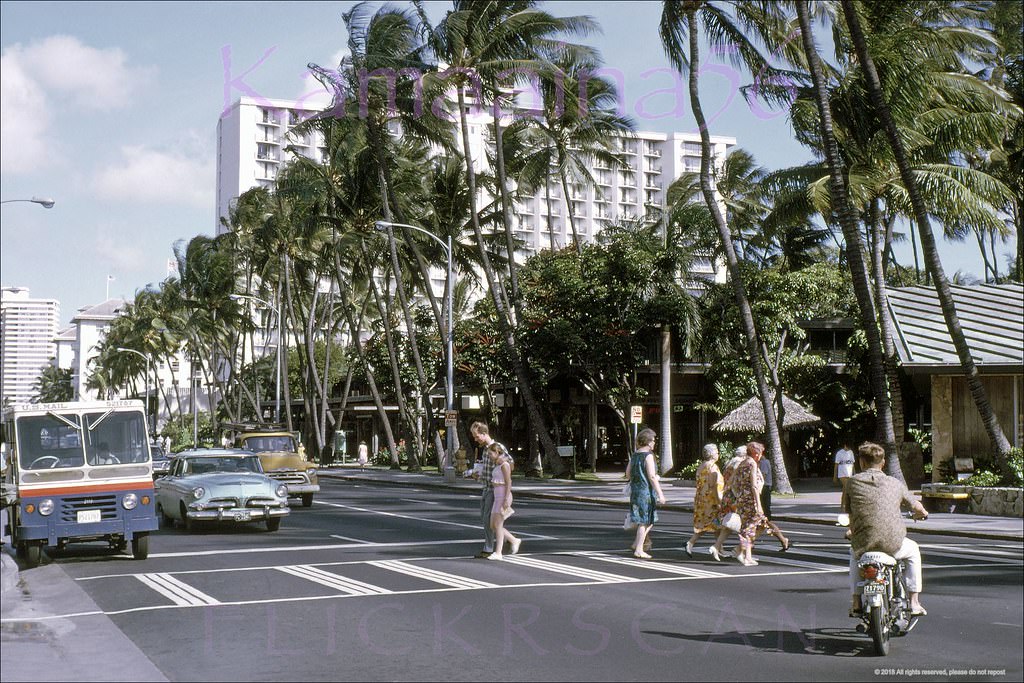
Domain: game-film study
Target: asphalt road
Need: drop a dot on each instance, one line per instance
(378, 583)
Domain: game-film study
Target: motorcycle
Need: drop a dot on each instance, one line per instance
(885, 605)
(884, 599)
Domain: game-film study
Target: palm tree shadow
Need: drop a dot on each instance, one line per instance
(830, 642)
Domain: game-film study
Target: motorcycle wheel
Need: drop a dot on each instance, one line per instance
(878, 630)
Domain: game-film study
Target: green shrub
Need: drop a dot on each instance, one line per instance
(982, 478)
(690, 471)
(1015, 463)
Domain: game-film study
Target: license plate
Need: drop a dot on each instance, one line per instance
(89, 516)
(242, 516)
(873, 588)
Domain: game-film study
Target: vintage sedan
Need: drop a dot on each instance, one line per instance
(219, 485)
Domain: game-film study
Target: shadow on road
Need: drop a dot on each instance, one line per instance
(830, 642)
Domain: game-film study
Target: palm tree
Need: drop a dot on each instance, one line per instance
(1000, 444)
(53, 385)
(486, 39)
(679, 35)
(847, 219)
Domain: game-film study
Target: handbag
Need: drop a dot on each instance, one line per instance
(628, 523)
(507, 512)
(731, 521)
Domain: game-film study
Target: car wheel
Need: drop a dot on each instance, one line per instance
(190, 525)
(307, 500)
(273, 524)
(166, 521)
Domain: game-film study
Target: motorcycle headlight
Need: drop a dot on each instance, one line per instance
(311, 471)
(198, 492)
(45, 506)
(129, 501)
(282, 491)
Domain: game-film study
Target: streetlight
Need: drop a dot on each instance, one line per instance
(146, 358)
(277, 401)
(46, 203)
(449, 347)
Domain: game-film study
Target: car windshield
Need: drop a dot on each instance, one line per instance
(206, 465)
(263, 444)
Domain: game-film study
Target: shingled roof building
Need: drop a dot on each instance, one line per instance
(992, 318)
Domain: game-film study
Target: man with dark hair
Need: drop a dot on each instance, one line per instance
(481, 433)
(873, 500)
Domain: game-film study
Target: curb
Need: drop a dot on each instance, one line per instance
(674, 507)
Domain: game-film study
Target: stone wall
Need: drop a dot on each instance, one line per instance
(983, 500)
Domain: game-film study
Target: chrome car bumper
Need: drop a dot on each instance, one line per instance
(237, 514)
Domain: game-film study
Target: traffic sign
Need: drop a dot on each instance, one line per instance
(636, 414)
(451, 417)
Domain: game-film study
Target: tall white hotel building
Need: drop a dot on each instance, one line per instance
(28, 328)
(253, 134)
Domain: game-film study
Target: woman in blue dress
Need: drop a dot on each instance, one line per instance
(644, 490)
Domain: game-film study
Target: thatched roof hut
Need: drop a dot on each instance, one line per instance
(749, 417)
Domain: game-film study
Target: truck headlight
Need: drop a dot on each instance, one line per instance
(45, 506)
(198, 492)
(129, 501)
(282, 491)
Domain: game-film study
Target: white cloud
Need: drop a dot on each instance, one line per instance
(53, 75)
(94, 78)
(25, 145)
(155, 176)
(119, 255)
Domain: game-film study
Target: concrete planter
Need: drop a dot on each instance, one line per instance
(982, 500)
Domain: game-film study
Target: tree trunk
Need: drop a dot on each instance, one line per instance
(667, 459)
(568, 203)
(771, 427)
(847, 220)
(1000, 445)
(504, 322)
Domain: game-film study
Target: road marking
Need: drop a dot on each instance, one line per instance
(969, 550)
(335, 581)
(349, 538)
(579, 572)
(176, 591)
(800, 563)
(395, 514)
(296, 548)
(444, 578)
(655, 566)
(415, 500)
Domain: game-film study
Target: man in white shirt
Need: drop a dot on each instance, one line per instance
(843, 468)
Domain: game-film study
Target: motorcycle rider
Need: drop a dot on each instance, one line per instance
(873, 500)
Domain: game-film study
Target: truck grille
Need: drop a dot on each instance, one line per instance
(289, 477)
(107, 504)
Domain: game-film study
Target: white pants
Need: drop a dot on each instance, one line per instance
(910, 552)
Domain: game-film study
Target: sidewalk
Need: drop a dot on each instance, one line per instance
(816, 500)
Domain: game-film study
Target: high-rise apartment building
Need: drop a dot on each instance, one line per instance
(253, 135)
(27, 330)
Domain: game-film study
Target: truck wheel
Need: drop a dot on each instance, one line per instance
(140, 546)
(33, 554)
(273, 524)
(307, 500)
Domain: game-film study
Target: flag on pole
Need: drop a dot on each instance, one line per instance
(111, 278)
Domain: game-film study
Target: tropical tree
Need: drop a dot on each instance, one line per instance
(680, 36)
(53, 385)
(1000, 444)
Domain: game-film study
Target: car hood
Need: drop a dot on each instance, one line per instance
(219, 479)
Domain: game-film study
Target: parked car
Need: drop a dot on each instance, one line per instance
(161, 459)
(219, 485)
(283, 458)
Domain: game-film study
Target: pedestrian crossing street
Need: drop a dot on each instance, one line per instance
(253, 585)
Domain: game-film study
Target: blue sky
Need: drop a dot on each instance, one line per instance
(111, 109)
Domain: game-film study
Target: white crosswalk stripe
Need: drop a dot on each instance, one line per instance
(176, 591)
(656, 566)
(336, 581)
(558, 568)
(444, 578)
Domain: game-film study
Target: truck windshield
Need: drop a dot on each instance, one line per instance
(116, 438)
(49, 441)
(262, 444)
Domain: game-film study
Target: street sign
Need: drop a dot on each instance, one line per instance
(451, 418)
(636, 414)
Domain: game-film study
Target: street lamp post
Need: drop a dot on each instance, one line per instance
(277, 400)
(46, 203)
(449, 346)
(146, 358)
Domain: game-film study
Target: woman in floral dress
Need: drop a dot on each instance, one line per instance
(643, 487)
(708, 498)
(746, 487)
